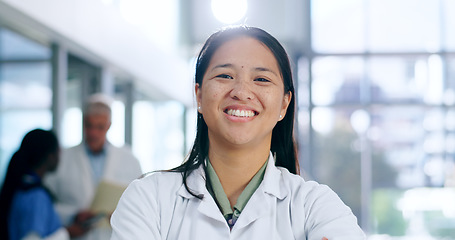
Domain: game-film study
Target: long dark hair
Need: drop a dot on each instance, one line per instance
(33, 152)
(283, 143)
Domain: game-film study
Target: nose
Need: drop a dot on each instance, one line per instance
(241, 90)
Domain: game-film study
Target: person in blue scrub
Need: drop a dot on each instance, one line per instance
(26, 207)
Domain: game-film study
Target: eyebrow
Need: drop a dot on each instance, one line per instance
(263, 69)
(257, 69)
(226, 65)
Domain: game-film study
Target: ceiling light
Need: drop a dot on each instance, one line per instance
(229, 11)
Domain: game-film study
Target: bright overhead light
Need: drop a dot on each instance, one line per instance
(135, 12)
(229, 11)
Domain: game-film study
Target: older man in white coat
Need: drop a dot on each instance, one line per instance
(83, 167)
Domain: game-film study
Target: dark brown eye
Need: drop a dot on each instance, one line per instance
(261, 80)
(225, 76)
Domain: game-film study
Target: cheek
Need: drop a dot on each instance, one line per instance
(211, 93)
(273, 99)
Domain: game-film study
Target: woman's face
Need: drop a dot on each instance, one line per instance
(242, 94)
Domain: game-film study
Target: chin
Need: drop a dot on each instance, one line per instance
(94, 147)
(240, 141)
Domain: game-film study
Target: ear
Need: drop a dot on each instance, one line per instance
(285, 104)
(198, 93)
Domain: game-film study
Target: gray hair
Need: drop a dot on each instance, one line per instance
(98, 104)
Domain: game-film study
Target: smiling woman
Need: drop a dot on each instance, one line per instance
(240, 180)
(242, 98)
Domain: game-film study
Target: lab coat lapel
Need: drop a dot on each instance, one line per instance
(272, 180)
(258, 206)
(109, 164)
(263, 201)
(87, 172)
(207, 206)
(86, 176)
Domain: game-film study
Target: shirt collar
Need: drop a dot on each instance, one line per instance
(216, 190)
(273, 179)
(196, 181)
(30, 180)
(91, 153)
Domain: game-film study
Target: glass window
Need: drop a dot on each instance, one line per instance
(409, 98)
(338, 26)
(397, 137)
(408, 155)
(72, 116)
(303, 83)
(71, 127)
(14, 46)
(428, 212)
(403, 25)
(406, 79)
(25, 92)
(450, 81)
(158, 138)
(116, 133)
(82, 80)
(337, 150)
(190, 132)
(448, 7)
(337, 80)
(25, 85)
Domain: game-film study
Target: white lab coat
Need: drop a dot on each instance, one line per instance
(283, 207)
(74, 187)
(59, 234)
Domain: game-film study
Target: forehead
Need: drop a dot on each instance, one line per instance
(96, 118)
(246, 51)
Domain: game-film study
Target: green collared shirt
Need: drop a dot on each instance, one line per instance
(216, 190)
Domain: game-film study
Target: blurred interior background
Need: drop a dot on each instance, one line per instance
(375, 84)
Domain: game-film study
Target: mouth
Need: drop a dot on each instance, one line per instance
(240, 113)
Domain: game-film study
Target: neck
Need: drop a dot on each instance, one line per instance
(235, 167)
(40, 171)
(96, 149)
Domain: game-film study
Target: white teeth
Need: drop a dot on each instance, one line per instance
(240, 113)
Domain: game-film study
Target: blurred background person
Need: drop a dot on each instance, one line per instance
(93, 161)
(26, 208)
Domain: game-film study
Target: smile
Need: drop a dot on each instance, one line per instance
(240, 113)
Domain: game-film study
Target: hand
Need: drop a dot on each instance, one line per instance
(324, 238)
(78, 228)
(83, 216)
